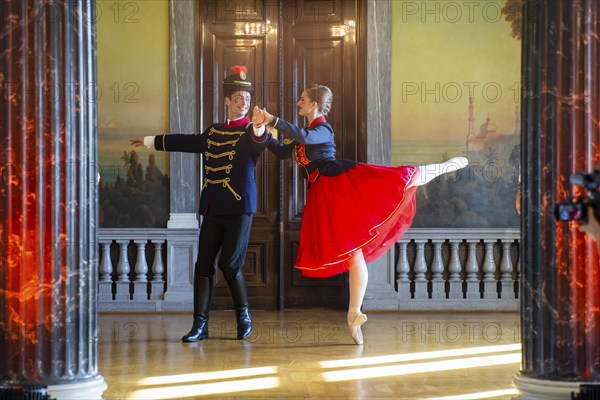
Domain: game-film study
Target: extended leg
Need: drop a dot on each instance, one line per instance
(429, 172)
(359, 277)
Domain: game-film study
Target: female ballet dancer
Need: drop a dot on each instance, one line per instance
(354, 211)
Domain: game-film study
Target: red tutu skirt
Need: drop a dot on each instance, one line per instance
(367, 207)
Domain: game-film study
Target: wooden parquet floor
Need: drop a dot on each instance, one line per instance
(305, 354)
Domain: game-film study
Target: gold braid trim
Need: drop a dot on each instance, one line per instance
(226, 168)
(219, 144)
(225, 183)
(227, 153)
(213, 130)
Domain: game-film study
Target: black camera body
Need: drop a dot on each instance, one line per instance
(577, 209)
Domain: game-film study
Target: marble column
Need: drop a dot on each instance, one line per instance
(182, 227)
(560, 297)
(183, 111)
(381, 293)
(48, 199)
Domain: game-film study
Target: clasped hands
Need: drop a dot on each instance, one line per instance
(260, 117)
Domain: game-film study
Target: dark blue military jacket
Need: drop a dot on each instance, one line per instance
(230, 155)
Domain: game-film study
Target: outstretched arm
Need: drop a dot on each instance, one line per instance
(180, 143)
(317, 135)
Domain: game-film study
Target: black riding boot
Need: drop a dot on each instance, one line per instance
(202, 294)
(237, 287)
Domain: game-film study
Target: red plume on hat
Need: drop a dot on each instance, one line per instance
(239, 68)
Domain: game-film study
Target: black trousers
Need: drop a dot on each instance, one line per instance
(230, 234)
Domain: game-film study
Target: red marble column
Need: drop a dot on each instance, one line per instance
(560, 302)
(48, 197)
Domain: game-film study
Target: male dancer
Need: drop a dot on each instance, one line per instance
(228, 200)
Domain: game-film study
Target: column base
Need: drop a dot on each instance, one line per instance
(543, 389)
(182, 221)
(90, 389)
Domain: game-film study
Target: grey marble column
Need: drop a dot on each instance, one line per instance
(560, 301)
(381, 293)
(48, 198)
(182, 241)
(184, 112)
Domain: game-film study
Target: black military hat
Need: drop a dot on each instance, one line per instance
(237, 81)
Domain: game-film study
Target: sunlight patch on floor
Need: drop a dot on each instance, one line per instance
(207, 376)
(353, 362)
(453, 359)
(170, 386)
(205, 389)
(481, 395)
(419, 368)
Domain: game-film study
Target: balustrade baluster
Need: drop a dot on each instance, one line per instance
(490, 285)
(455, 290)
(157, 286)
(420, 271)
(123, 269)
(507, 286)
(402, 269)
(438, 286)
(472, 269)
(105, 269)
(140, 285)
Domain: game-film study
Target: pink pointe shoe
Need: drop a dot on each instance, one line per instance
(355, 330)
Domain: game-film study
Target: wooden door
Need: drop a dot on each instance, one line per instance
(319, 46)
(237, 33)
(286, 46)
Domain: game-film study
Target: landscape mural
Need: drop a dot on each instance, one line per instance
(133, 100)
(455, 92)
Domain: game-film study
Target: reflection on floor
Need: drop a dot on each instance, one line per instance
(300, 354)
